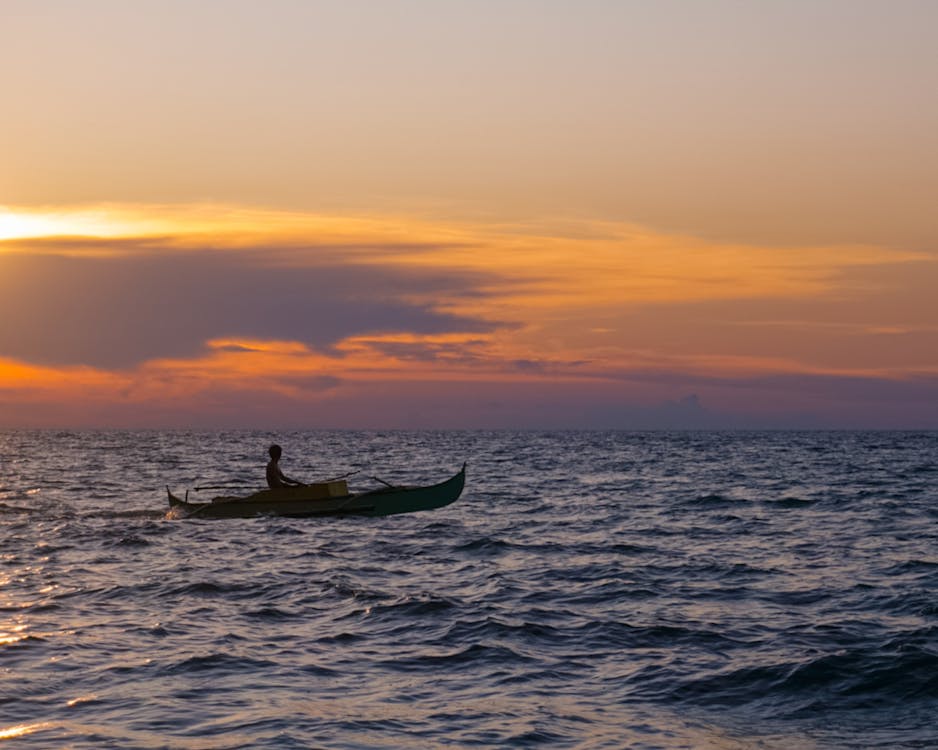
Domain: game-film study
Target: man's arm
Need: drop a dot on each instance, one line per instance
(291, 482)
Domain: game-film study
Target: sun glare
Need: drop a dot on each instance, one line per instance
(21, 224)
(17, 226)
(230, 225)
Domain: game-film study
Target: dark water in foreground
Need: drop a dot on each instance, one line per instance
(590, 590)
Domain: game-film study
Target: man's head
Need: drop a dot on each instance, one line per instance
(275, 452)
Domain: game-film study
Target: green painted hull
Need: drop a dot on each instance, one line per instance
(291, 503)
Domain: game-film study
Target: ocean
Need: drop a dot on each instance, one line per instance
(589, 590)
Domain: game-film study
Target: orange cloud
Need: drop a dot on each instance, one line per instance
(599, 264)
(26, 378)
(412, 300)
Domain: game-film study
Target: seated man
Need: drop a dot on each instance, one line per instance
(275, 477)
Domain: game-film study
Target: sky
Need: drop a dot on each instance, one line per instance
(469, 214)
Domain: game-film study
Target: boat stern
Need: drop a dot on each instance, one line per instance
(176, 501)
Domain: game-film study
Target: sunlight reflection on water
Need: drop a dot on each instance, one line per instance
(20, 730)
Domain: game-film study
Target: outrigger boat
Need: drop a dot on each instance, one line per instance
(322, 499)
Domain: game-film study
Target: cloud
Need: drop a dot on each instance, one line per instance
(424, 324)
(236, 348)
(460, 350)
(528, 365)
(120, 309)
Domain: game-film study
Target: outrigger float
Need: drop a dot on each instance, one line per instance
(322, 499)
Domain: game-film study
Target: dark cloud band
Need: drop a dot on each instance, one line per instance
(120, 309)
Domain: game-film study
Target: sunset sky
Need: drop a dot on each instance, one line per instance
(469, 213)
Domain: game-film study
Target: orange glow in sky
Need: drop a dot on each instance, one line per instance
(568, 304)
(299, 215)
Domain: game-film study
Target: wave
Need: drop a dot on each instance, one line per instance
(142, 514)
(477, 654)
(790, 502)
(851, 679)
(414, 606)
(220, 663)
(715, 500)
(484, 544)
(5, 508)
(131, 540)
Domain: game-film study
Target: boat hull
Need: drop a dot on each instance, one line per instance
(294, 503)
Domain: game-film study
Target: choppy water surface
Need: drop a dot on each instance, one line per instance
(590, 590)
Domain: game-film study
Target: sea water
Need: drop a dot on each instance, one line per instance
(589, 590)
